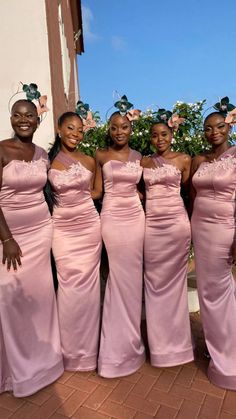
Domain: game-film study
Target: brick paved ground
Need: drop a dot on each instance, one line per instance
(181, 392)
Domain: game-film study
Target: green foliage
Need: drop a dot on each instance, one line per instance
(188, 139)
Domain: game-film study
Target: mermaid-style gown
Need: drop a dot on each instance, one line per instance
(213, 229)
(166, 250)
(30, 352)
(77, 249)
(122, 218)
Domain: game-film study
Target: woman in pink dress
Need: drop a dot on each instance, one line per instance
(76, 246)
(166, 250)
(213, 230)
(122, 219)
(30, 353)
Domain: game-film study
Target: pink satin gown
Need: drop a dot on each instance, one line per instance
(166, 250)
(213, 229)
(121, 348)
(30, 353)
(77, 249)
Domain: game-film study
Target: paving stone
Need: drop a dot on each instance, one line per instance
(121, 391)
(60, 390)
(5, 413)
(95, 400)
(229, 404)
(142, 405)
(48, 408)
(185, 376)
(208, 388)
(8, 401)
(187, 393)
(116, 410)
(210, 408)
(165, 381)
(225, 415)
(167, 399)
(148, 369)
(73, 403)
(189, 409)
(85, 413)
(166, 412)
(144, 385)
(25, 412)
(108, 382)
(141, 415)
(80, 384)
(38, 398)
(65, 376)
(133, 378)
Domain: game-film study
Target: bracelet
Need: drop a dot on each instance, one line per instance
(7, 240)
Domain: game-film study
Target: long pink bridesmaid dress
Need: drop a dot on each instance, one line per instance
(166, 250)
(122, 218)
(30, 353)
(77, 249)
(213, 229)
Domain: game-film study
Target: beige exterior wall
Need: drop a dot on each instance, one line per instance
(24, 57)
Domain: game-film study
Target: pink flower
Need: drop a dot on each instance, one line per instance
(89, 122)
(231, 117)
(133, 114)
(42, 106)
(174, 121)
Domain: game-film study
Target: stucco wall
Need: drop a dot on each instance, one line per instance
(24, 57)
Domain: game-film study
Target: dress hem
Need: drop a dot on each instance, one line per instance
(80, 364)
(31, 386)
(121, 370)
(223, 381)
(171, 360)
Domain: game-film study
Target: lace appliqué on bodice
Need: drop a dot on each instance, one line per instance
(160, 172)
(225, 163)
(64, 177)
(131, 166)
(34, 167)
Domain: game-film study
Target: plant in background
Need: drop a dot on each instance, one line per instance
(188, 139)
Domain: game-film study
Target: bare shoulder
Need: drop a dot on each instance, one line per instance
(86, 160)
(101, 155)
(146, 162)
(90, 162)
(6, 146)
(196, 161)
(186, 158)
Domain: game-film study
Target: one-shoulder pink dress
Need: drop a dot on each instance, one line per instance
(213, 229)
(166, 250)
(122, 218)
(30, 352)
(77, 249)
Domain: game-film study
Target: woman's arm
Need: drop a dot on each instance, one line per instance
(97, 183)
(196, 161)
(11, 251)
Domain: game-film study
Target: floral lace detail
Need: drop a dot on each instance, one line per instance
(34, 167)
(225, 163)
(64, 177)
(131, 167)
(159, 172)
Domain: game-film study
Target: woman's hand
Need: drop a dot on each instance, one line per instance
(11, 254)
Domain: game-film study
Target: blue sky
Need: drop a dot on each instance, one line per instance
(157, 52)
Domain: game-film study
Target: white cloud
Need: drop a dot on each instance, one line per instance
(118, 43)
(87, 17)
